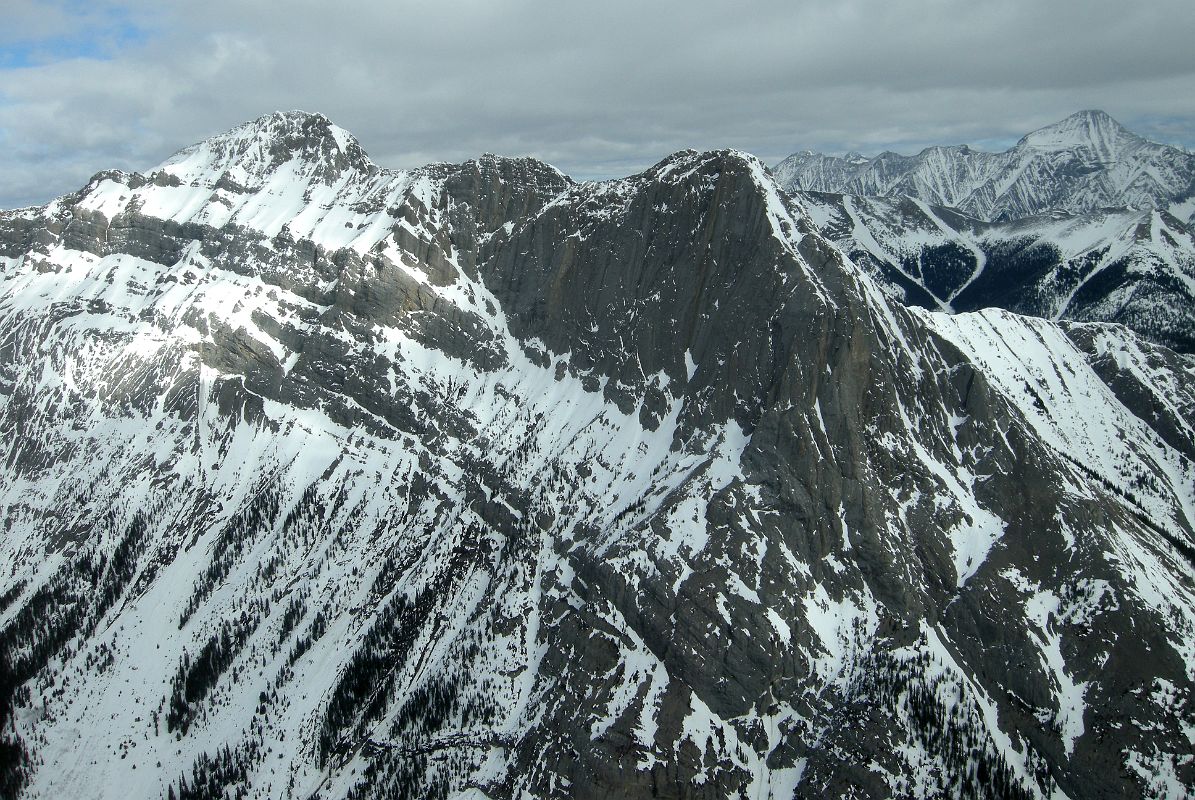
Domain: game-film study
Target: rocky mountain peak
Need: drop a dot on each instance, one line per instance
(505, 169)
(686, 163)
(248, 153)
(1090, 128)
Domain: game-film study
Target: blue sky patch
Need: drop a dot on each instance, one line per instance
(99, 34)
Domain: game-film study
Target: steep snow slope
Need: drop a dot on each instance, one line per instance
(327, 480)
(1086, 162)
(1136, 268)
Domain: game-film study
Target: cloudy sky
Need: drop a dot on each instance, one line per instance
(599, 89)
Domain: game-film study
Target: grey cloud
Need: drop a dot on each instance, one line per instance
(598, 89)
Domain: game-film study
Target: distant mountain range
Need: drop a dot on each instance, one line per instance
(1082, 220)
(1086, 162)
(1134, 267)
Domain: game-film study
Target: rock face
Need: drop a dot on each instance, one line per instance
(1086, 162)
(327, 480)
(1133, 267)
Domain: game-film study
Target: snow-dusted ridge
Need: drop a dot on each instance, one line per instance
(469, 481)
(1134, 267)
(1086, 162)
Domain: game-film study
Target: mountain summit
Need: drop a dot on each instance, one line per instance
(475, 482)
(1094, 130)
(1086, 162)
(250, 153)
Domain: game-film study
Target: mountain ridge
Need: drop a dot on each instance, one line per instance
(1134, 267)
(471, 481)
(1086, 162)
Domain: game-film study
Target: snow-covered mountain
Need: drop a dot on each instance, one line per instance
(325, 480)
(1087, 162)
(1133, 267)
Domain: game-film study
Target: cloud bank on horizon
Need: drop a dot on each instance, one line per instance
(599, 90)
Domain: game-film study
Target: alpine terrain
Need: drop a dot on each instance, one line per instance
(322, 480)
(1086, 162)
(1135, 267)
(1082, 220)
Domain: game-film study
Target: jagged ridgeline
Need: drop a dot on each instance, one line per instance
(1085, 163)
(325, 480)
(1082, 220)
(1128, 266)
